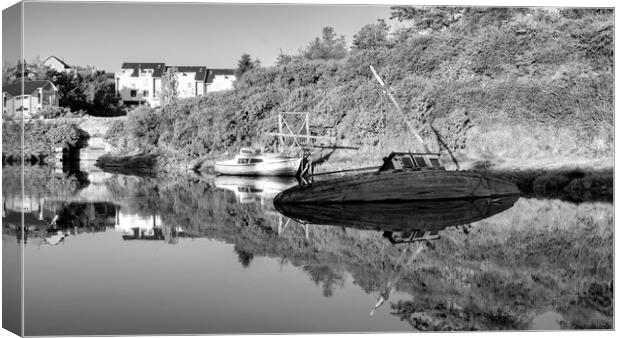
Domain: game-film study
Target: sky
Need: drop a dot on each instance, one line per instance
(106, 34)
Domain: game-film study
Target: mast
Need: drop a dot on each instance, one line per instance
(399, 109)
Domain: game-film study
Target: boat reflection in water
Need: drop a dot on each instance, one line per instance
(258, 189)
(400, 221)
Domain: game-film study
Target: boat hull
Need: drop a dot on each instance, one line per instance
(399, 186)
(276, 167)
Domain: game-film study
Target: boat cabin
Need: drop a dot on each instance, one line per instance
(249, 151)
(249, 156)
(420, 161)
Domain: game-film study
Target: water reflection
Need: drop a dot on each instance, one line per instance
(498, 264)
(401, 221)
(260, 190)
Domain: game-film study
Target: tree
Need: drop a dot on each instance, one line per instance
(169, 85)
(15, 73)
(99, 94)
(371, 36)
(283, 59)
(7, 73)
(21, 69)
(244, 65)
(71, 90)
(329, 47)
(434, 18)
(91, 92)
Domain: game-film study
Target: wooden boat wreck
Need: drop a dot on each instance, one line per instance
(253, 162)
(402, 177)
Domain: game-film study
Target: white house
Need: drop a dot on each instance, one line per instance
(36, 96)
(57, 64)
(220, 79)
(191, 80)
(139, 83)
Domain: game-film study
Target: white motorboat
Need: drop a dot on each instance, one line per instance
(253, 162)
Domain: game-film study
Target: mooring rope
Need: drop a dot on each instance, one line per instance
(346, 170)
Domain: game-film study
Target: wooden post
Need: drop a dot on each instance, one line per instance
(308, 128)
(281, 139)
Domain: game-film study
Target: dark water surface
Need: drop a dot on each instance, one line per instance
(115, 254)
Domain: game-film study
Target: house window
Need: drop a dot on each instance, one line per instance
(133, 93)
(145, 93)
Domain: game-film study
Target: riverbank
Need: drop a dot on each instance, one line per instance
(574, 181)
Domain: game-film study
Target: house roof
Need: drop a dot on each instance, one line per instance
(15, 89)
(201, 71)
(59, 60)
(158, 67)
(219, 71)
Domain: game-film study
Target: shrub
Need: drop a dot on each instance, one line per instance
(58, 112)
(144, 125)
(117, 135)
(40, 139)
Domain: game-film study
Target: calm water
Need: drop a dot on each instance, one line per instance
(115, 254)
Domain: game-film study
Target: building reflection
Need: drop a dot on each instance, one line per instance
(135, 226)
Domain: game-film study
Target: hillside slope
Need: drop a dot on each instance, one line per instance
(506, 86)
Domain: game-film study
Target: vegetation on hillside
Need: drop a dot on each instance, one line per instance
(39, 139)
(509, 83)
